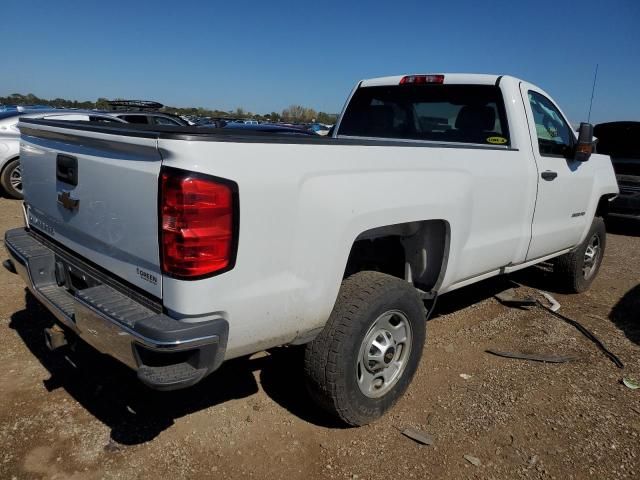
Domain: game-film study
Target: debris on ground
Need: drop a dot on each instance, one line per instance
(465, 376)
(473, 460)
(555, 305)
(534, 357)
(510, 299)
(584, 331)
(631, 383)
(113, 446)
(417, 436)
(504, 416)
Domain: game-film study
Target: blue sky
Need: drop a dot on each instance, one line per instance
(266, 55)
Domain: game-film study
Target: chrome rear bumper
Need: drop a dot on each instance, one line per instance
(167, 354)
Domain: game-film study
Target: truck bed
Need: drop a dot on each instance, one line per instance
(238, 136)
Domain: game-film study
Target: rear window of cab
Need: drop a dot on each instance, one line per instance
(431, 112)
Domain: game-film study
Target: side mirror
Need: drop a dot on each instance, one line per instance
(584, 148)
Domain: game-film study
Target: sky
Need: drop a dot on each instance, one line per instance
(264, 56)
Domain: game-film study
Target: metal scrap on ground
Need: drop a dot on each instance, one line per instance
(555, 305)
(417, 436)
(473, 460)
(535, 357)
(509, 298)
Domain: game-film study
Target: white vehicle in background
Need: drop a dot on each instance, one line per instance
(320, 129)
(10, 171)
(174, 250)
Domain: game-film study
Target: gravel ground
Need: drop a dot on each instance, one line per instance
(81, 415)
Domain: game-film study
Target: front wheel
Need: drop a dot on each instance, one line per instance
(11, 179)
(578, 269)
(365, 357)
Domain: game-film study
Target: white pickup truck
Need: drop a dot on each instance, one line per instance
(174, 249)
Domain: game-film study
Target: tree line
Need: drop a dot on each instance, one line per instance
(294, 113)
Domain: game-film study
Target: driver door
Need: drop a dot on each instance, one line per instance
(564, 185)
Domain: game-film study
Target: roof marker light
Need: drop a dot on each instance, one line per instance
(421, 79)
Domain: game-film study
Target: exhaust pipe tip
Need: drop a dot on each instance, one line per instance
(8, 264)
(54, 338)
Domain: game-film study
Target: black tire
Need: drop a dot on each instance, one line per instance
(571, 268)
(331, 359)
(5, 179)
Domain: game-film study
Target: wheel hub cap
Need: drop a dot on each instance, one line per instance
(15, 179)
(384, 353)
(591, 257)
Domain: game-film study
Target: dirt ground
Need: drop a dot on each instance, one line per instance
(81, 415)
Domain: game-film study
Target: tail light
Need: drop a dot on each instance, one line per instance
(421, 79)
(198, 233)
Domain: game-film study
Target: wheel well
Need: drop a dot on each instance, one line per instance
(414, 251)
(7, 162)
(603, 205)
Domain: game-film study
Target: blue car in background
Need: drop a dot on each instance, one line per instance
(260, 127)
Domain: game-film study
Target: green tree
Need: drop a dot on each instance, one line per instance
(102, 103)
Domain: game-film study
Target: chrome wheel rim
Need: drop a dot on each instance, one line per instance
(384, 354)
(591, 257)
(15, 179)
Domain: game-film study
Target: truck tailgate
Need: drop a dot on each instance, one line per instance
(97, 194)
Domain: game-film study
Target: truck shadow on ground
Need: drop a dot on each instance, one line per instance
(467, 296)
(625, 314)
(540, 277)
(111, 392)
(136, 414)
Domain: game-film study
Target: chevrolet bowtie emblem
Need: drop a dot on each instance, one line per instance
(64, 199)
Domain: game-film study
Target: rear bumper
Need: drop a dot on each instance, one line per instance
(167, 354)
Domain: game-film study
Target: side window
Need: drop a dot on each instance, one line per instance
(140, 119)
(164, 121)
(555, 137)
(103, 119)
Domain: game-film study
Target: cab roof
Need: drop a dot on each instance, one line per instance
(449, 78)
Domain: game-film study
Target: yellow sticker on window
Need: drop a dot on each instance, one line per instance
(497, 140)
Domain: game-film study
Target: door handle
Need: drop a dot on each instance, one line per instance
(548, 175)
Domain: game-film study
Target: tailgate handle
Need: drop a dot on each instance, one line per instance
(67, 169)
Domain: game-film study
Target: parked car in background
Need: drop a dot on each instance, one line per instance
(10, 171)
(144, 112)
(151, 118)
(259, 127)
(127, 111)
(621, 141)
(243, 121)
(319, 129)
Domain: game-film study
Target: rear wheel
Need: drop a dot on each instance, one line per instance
(577, 269)
(364, 359)
(11, 179)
